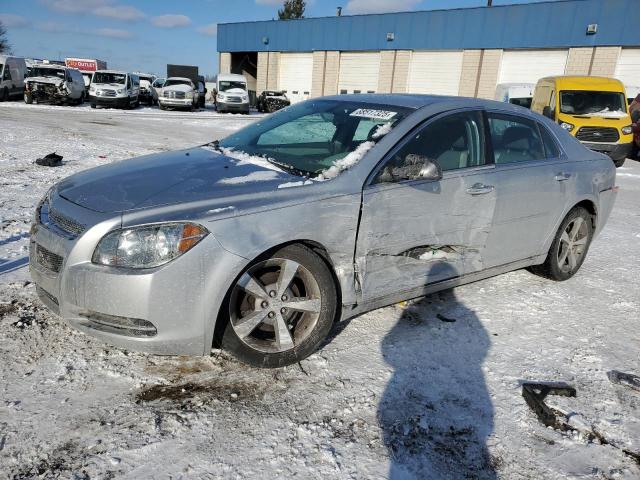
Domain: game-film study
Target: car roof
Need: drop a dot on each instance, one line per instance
(231, 76)
(416, 101)
(179, 78)
(584, 82)
(111, 71)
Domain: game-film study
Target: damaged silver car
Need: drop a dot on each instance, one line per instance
(261, 242)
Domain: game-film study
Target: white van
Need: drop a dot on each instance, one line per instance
(12, 73)
(231, 93)
(53, 83)
(516, 93)
(112, 88)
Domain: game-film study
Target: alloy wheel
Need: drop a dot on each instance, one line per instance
(573, 245)
(275, 305)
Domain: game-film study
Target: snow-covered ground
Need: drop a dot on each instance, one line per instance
(396, 393)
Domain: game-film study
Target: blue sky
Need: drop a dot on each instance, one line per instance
(145, 35)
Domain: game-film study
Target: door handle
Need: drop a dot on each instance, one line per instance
(480, 189)
(561, 177)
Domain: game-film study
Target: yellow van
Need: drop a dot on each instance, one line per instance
(592, 109)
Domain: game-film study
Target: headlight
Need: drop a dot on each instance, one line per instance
(567, 126)
(221, 97)
(189, 95)
(120, 90)
(147, 246)
(628, 130)
(92, 89)
(245, 97)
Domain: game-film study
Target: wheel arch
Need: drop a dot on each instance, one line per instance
(590, 207)
(315, 247)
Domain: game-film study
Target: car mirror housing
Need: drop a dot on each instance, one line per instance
(547, 112)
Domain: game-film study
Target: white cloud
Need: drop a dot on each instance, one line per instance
(274, 3)
(113, 33)
(171, 21)
(125, 13)
(209, 30)
(52, 27)
(380, 6)
(10, 20)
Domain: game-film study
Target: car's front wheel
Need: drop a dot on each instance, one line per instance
(280, 309)
(569, 247)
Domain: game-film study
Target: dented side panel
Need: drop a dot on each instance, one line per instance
(416, 233)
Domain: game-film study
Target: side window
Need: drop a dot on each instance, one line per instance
(514, 139)
(7, 73)
(128, 82)
(550, 147)
(308, 129)
(454, 142)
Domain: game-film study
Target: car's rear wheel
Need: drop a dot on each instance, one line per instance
(620, 162)
(569, 247)
(280, 309)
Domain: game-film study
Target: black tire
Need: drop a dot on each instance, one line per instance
(634, 151)
(5, 95)
(28, 98)
(551, 268)
(620, 162)
(81, 99)
(93, 105)
(162, 107)
(311, 335)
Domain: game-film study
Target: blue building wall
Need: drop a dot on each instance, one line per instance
(535, 25)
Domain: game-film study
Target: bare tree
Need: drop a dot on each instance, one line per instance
(4, 43)
(292, 9)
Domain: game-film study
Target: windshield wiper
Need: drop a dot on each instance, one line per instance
(290, 168)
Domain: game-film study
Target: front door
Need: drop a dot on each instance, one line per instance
(416, 232)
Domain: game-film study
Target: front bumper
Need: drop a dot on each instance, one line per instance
(168, 310)
(118, 102)
(176, 102)
(616, 151)
(232, 107)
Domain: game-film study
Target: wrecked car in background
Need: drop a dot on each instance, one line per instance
(270, 101)
(332, 207)
(55, 84)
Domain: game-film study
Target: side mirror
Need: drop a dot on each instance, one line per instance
(547, 112)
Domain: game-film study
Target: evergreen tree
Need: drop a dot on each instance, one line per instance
(4, 43)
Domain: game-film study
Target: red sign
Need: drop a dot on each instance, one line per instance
(85, 65)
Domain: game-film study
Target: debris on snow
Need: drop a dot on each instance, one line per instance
(535, 394)
(51, 160)
(626, 379)
(439, 316)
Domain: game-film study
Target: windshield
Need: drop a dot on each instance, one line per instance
(225, 85)
(315, 137)
(147, 78)
(159, 82)
(523, 102)
(103, 77)
(173, 81)
(592, 103)
(46, 72)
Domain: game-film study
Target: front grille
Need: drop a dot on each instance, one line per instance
(598, 134)
(234, 100)
(174, 94)
(108, 93)
(49, 260)
(65, 223)
(58, 222)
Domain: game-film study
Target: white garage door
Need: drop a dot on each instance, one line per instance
(358, 72)
(529, 66)
(628, 68)
(435, 72)
(295, 75)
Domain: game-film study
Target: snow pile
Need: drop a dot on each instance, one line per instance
(609, 113)
(223, 209)
(245, 158)
(347, 162)
(260, 176)
(295, 184)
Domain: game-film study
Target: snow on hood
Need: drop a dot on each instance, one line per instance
(170, 178)
(179, 88)
(50, 80)
(609, 113)
(235, 91)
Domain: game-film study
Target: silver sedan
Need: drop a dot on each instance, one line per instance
(329, 208)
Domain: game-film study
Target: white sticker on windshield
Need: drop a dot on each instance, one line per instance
(371, 113)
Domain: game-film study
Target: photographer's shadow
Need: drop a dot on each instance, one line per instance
(436, 412)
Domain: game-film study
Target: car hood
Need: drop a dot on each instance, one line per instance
(171, 178)
(235, 91)
(179, 88)
(50, 80)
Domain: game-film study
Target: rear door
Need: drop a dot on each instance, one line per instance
(531, 178)
(416, 232)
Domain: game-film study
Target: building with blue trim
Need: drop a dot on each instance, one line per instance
(467, 51)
